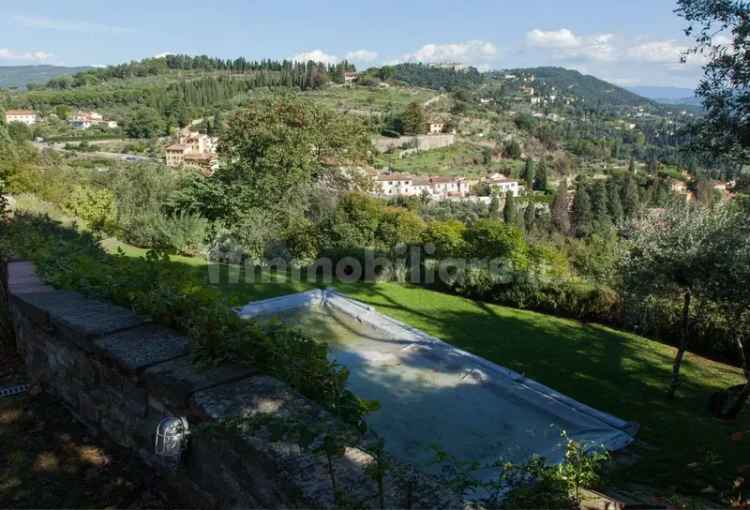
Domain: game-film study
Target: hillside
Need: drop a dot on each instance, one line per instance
(20, 76)
(589, 88)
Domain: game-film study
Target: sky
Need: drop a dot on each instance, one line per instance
(633, 42)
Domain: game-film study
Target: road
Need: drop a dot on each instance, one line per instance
(133, 158)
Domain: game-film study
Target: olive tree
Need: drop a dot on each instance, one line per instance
(727, 260)
(666, 259)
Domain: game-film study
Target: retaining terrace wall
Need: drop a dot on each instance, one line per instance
(120, 375)
(421, 142)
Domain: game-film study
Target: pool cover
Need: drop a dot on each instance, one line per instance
(434, 396)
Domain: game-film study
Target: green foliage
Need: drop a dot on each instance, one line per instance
(447, 237)
(583, 219)
(154, 287)
(413, 119)
(144, 122)
(494, 239)
(510, 213)
(93, 206)
(19, 132)
(559, 209)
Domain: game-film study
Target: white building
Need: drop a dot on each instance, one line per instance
(502, 184)
(27, 117)
(437, 187)
(84, 120)
(193, 149)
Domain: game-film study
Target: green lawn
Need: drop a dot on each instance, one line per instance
(619, 373)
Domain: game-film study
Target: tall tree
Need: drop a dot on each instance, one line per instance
(583, 219)
(541, 177)
(614, 204)
(413, 119)
(630, 197)
(510, 213)
(725, 88)
(529, 173)
(529, 219)
(599, 209)
(559, 209)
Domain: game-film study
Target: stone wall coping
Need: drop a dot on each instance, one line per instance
(153, 370)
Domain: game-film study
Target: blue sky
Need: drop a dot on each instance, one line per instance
(634, 42)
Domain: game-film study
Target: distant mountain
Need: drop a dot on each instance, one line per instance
(20, 76)
(591, 89)
(668, 95)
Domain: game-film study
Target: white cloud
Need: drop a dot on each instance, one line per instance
(469, 52)
(69, 25)
(562, 38)
(657, 52)
(362, 55)
(164, 54)
(568, 46)
(316, 56)
(8, 54)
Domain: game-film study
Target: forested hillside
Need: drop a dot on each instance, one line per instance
(21, 76)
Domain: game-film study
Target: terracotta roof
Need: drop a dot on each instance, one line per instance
(199, 157)
(177, 147)
(395, 177)
(19, 112)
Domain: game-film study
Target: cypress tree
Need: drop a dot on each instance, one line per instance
(559, 209)
(510, 215)
(529, 216)
(599, 210)
(495, 205)
(583, 219)
(529, 174)
(630, 197)
(541, 177)
(614, 204)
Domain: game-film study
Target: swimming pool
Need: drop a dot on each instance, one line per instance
(433, 395)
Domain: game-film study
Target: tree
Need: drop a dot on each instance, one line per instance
(491, 239)
(541, 177)
(413, 119)
(512, 150)
(724, 130)
(144, 122)
(277, 150)
(529, 216)
(614, 204)
(666, 260)
(599, 209)
(727, 260)
(559, 209)
(19, 132)
(583, 220)
(631, 197)
(529, 174)
(494, 208)
(510, 213)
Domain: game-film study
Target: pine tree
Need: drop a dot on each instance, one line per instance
(413, 119)
(630, 197)
(583, 218)
(510, 215)
(614, 204)
(541, 177)
(631, 166)
(559, 209)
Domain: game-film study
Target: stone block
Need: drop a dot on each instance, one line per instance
(172, 382)
(136, 349)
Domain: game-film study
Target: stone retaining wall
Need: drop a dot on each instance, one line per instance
(420, 142)
(121, 375)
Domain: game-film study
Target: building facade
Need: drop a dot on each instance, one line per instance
(27, 117)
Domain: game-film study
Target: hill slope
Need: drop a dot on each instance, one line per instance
(20, 76)
(591, 89)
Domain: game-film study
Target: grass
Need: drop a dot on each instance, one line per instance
(464, 159)
(616, 372)
(370, 100)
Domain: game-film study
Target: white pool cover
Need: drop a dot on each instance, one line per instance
(434, 395)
